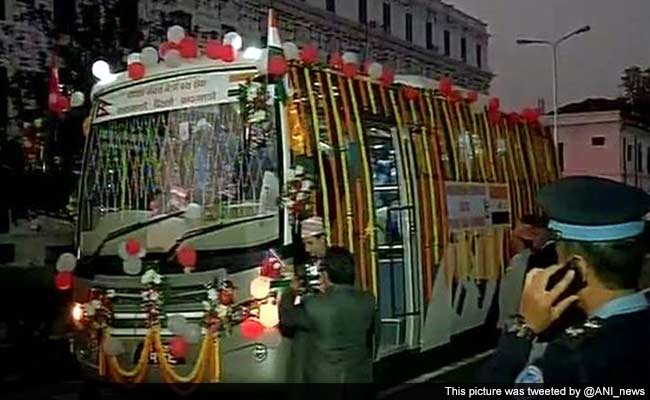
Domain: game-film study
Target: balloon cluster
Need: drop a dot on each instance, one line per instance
(178, 47)
(348, 63)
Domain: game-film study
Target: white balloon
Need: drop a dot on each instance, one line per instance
(101, 69)
(233, 39)
(291, 51)
(113, 346)
(192, 333)
(173, 58)
(132, 265)
(375, 70)
(66, 262)
(77, 99)
(177, 323)
(193, 211)
(175, 34)
(133, 58)
(269, 315)
(350, 57)
(260, 287)
(149, 56)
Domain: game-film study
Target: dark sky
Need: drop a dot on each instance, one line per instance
(589, 65)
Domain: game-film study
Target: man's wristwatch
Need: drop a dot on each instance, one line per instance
(518, 327)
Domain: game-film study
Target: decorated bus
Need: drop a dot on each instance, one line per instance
(199, 168)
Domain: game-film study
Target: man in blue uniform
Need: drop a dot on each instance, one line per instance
(598, 227)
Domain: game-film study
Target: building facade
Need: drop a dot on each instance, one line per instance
(595, 139)
(420, 37)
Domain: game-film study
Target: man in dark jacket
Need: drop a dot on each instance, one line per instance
(340, 324)
(598, 225)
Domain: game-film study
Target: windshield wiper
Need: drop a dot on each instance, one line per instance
(213, 228)
(125, 230)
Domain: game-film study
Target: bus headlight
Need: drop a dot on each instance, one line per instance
(77, 312)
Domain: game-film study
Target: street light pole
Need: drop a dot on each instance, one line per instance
(554, 46)
(555, 136)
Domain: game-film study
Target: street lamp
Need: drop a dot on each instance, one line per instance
(554, 45)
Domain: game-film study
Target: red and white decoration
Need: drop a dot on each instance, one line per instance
(131, 252)
(65, 266)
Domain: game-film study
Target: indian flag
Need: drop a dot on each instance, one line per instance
(274, 48)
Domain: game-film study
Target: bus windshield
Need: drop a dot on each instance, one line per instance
(161, 162)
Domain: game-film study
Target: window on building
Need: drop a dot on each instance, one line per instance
(629, 153)
(330, 5)
(560, 155)
(363, 11)
(447, 43)
(479, 56)
(598, 140)
(409, 27)
(463, 49)
(639, 158)
(429, 34)
(386, 15)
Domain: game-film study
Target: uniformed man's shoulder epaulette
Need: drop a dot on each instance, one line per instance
(588, 329)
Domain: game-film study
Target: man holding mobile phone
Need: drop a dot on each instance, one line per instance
(598, 227)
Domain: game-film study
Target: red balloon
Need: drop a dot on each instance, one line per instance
(271, 268)
(530, 115)
(213, 49)
(309, 54)
(62, 103)
(178, 347)
(277, 65)
(132, 247)
(136, 70)
(186, 256)
(446, 85)
(387, 76)
(165, 47)
(251, 329)
(349, 70)
(63, 280)
(189, 47)
(228, 53)
(336, 61)
(472, 96)
(494, 104)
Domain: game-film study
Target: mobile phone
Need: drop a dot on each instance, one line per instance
(576, 285)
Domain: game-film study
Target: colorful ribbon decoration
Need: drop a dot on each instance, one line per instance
(205, 369)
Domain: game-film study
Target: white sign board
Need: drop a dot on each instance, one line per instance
(168, 94)
(477, 205)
